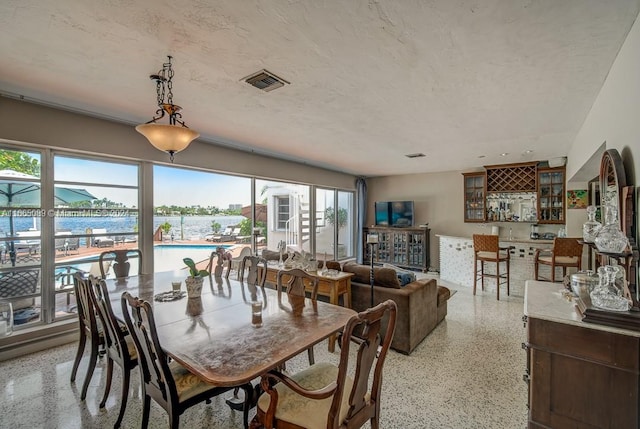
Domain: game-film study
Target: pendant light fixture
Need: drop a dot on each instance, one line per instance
(172, 137)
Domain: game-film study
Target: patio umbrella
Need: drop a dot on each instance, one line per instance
(261, 212)
(23, 190)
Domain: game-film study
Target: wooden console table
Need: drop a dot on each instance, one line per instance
(334, 287)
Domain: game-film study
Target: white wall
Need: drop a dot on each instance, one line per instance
(614, 118)
(31, 123)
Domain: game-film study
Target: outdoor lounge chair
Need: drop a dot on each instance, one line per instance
(227, 235)
(102, 241)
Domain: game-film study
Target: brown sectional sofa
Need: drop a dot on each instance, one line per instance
(422, 304)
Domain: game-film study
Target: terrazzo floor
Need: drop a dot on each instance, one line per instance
(466, 374)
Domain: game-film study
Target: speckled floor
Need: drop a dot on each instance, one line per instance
(466, 374)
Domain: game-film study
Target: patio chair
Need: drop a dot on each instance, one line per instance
(17, 284)
(324, 395)
(167, 382)
(236, 263)
(227, 235)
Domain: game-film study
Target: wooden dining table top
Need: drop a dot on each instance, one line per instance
(214, 337)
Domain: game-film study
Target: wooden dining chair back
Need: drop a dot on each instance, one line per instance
(337, 400)
(254, 268)
(219, 263)
(486, 248)
(118, 344)
(119, 260)
(88, 329)
(170, 384)
(296, 282)
(566, 253)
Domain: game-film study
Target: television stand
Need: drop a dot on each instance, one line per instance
(405, 247)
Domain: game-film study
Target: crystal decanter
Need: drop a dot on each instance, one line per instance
(591, 227)
(607, 295)
(610, 239)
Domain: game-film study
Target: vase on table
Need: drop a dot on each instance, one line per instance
(607, 295)
(194, 286)
(591, 227)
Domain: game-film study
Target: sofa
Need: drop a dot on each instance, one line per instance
(422, 304)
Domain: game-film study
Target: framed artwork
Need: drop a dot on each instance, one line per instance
(577, 199)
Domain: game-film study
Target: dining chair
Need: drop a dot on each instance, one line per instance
(486, 248)
(168, 383)
(118, 344)
(295, 283)
(251, 267)
(222, 265)
(324, 395)
(119, 261)
(89, 330)
(566, 253)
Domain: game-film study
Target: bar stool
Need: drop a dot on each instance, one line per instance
(566, 252)
(486, 248)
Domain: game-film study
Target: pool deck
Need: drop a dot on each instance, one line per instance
(85, 252)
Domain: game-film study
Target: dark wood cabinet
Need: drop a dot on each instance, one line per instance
(475, 197)
(403, 247)
(551, 195)
(580, 375)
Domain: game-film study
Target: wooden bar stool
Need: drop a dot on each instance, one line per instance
(566, 252)
(486, 248)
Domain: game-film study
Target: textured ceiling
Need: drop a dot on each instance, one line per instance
(371, 81)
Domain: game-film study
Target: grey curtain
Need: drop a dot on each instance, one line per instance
(361, 215)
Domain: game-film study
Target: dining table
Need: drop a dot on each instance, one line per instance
(234, 332)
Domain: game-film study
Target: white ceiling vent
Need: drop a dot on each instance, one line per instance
(265, 80)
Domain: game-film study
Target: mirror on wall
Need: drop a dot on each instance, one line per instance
(612, 180)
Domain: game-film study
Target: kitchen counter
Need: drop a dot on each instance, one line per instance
(456, 261)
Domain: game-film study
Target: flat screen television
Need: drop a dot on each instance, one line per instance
(394, 213)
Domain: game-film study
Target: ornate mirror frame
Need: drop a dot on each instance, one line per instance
(612, 180)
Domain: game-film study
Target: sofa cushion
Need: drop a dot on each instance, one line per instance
(383, 277)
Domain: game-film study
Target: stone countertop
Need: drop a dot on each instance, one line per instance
(503, 239)
(544, 300)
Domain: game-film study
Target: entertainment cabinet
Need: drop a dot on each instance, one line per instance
(403, 247)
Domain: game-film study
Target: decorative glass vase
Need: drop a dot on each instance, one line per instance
(607, 295)
(610, 238)
(591, 227)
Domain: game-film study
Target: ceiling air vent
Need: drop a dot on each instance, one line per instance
(415, 155)
(265, 80)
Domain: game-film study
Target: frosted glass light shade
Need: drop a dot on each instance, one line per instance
(168, 138)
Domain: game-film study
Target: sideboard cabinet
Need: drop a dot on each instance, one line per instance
(403, 247)
(580, 375)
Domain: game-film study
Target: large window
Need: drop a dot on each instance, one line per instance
(95, 210)
(334, 224)
(197, 211)
(287, 216)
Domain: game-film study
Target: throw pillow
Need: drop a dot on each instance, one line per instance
(405, 278)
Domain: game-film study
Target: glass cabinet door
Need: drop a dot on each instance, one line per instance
(551, 195)
(474, 197)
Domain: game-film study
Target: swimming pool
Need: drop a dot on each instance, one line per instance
(166, 257)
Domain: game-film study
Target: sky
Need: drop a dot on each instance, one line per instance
(172, 185)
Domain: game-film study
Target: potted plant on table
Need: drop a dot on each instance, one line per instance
(195, 279)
